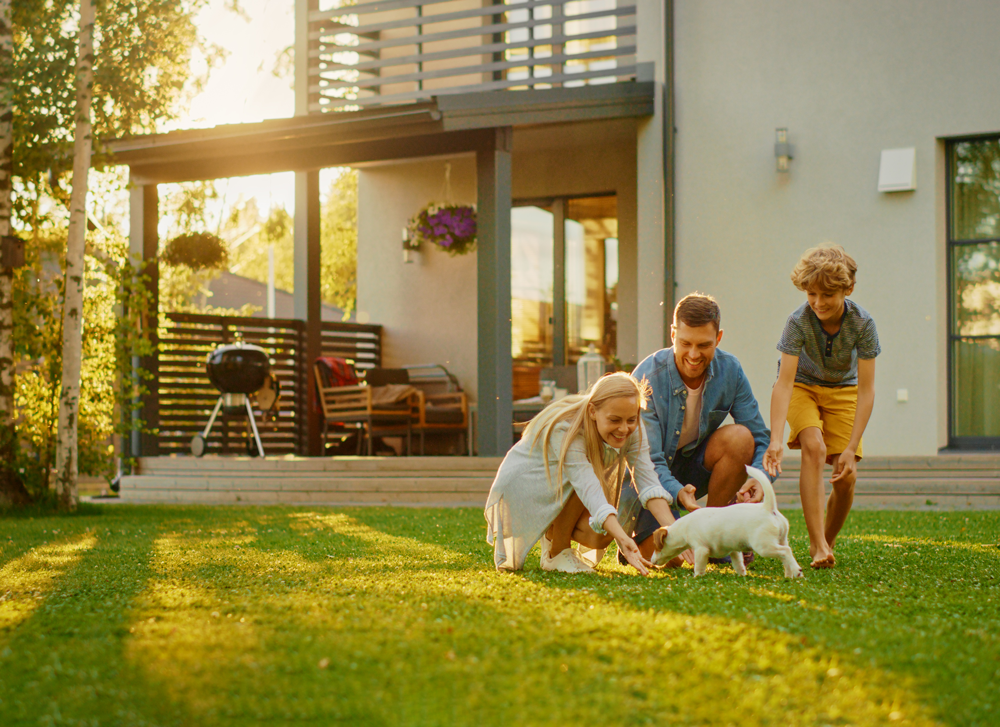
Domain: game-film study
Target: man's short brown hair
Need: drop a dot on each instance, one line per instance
(696, 310)
(827, 268)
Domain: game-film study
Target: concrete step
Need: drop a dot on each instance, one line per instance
(984, 462)
(345, 499)
(948, 481)
(309, 484)
(289, 465)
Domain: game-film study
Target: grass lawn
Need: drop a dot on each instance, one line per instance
(235, 616)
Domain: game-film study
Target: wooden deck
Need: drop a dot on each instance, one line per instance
(962, 481)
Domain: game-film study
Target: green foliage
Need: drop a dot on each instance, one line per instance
(226, 616)
(339, 230)
(115, 328)
(186, 205)
(338, 234)
(141, 73)
(255, 235)
(197, 251)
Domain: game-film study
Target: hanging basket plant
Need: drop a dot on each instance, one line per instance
(197, 251)
(452, 227)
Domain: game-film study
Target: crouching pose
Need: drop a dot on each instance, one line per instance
(562, 481)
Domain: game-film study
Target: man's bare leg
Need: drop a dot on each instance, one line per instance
(729, 451)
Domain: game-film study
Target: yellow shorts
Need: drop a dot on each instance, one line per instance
(828, 408)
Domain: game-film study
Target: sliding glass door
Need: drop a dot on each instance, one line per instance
(564, 284)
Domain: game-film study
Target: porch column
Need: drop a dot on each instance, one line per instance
(306, 298)
(655, 281)
(144, 243)
(493, 177)
(559, 283)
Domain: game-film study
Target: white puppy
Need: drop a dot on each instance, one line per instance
(721, 531)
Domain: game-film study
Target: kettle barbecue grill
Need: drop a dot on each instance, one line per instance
(236, 370)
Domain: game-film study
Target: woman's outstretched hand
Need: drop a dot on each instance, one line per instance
(631, 552)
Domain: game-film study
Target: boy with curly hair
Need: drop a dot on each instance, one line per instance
(825, 391)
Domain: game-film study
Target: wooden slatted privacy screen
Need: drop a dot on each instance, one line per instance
(399, 51)
(187, 397)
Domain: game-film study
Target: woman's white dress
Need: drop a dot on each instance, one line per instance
(522, 503)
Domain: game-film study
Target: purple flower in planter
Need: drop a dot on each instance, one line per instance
(451, 227)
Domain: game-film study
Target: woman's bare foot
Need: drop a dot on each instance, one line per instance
(674, 562)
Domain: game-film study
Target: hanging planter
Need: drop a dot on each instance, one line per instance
(452, 227)
(196, 250)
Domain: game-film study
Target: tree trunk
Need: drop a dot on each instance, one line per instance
(11, 488)
(69, 397)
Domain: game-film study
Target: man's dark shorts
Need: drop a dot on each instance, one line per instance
(689, 470)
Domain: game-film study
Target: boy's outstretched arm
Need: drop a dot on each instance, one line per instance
(781, 396)
(866, 402)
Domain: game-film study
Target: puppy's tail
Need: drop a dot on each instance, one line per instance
(770, 500)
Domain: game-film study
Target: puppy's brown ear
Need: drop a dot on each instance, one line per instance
(659, 538)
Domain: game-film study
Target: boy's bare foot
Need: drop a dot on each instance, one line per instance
(822, 557)
(823, 561)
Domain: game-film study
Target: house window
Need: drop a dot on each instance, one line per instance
(974, 292)
(564, 284)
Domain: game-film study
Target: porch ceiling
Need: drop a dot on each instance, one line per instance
(448, 124)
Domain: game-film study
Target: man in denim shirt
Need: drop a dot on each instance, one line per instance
(695, 385)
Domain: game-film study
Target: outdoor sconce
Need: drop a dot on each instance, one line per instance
(782, 149)
(11, 252)
(410, 247)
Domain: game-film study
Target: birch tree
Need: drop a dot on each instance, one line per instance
(11, 489)
(69, 396)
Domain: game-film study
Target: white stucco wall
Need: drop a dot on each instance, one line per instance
(848, 79)
(428, 308)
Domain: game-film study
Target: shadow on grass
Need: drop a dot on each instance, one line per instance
(63, 664)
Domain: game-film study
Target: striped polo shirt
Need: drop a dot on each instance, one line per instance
(826, 360)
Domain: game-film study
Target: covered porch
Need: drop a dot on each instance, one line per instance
(477, 126)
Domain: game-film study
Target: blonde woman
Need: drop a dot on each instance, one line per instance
(561, 482)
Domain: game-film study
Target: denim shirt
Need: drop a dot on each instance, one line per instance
(727, 391)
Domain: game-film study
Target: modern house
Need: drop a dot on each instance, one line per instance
(624, 153)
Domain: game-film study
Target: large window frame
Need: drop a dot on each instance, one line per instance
(559, 208)
(952, 243)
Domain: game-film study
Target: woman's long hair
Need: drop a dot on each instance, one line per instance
(575, 410)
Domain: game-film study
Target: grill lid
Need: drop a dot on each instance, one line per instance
(238, 368)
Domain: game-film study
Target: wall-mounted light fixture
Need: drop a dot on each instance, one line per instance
(782, 149)
(410, 247)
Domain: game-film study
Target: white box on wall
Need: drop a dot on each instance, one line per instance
(897, 171)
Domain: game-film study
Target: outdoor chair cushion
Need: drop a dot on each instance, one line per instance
(443, 415)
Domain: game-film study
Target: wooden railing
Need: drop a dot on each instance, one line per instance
(186, 397)
(398, 51)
